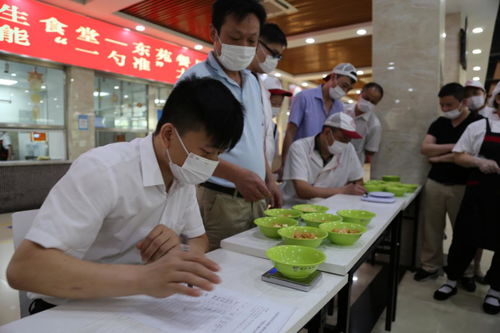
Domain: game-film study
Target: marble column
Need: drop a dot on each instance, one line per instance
(80, 101)
(407, 52)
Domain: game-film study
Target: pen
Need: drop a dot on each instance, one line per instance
(185, 248)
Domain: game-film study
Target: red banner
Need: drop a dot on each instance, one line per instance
(42, 31)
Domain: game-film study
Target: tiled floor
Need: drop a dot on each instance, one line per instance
(417, 312)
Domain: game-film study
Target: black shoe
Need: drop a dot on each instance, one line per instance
(469, 284)
(481, 280)
(423, 275)
(442, 296)
(490, 309)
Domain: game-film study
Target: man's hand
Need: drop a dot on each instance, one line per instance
(277, 196)
(487, 166)
(252, 187)
(169, 274)
(157, 243)
(353, 189)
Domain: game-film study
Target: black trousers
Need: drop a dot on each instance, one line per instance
(460, 255)
(39, 305)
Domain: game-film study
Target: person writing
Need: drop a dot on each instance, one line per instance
(111, 225)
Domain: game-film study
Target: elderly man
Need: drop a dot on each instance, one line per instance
(325, 164)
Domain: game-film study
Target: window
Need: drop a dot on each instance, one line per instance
(32, 111)
(121, 110)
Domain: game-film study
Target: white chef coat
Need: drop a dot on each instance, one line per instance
(110, 199)
(5, 138)
(303, 162)
(486, 111)
(369, 126)
(473, 136)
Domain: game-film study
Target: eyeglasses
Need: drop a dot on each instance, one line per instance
(274, 54)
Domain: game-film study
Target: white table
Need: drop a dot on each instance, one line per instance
(339, 259)
(239, 272)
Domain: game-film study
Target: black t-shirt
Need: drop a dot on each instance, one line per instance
(445, 133)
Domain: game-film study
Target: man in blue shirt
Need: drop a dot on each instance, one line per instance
(311, 107)
(231, 200)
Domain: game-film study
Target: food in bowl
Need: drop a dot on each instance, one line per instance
(345, 231)
(315, 219)
(304, 235)
(281, 212)
(269, 226)
(308, 208)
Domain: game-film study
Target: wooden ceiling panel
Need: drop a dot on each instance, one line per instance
(323, 57)
(315, 15)
(190, 17)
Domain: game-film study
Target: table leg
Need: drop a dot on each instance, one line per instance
(397, 226)
(317, 323)
(344, 307)
(415, 231)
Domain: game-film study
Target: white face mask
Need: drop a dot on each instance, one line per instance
(269, 64)
(234, 57)
(336, 93)
(337, 147)
(195, 170)
(365, 106)
(475, 102)
(452, 114)
(276, 110)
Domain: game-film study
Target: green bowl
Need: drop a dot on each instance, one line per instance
(307, 208)
(281, 212)
(295, 262)
(375, 182)
(340, 238)
(356, 216)
(398, 191)
(315, 219)
(374, 187)
(410, 187)
(288, 239)
(266, 225)
(391, 178)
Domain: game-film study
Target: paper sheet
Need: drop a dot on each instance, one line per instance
(221, 310)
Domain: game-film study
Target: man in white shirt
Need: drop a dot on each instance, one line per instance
(110, 227)
(324, 165)
(367, 123)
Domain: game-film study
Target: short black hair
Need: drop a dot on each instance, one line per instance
(271, 33)
(452, 89)
(376, 86)
(204, 104)
(239, 8)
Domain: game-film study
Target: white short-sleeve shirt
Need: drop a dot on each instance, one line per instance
(303, 162)
(369, 126)
(471, 140)
(5, 138)
(109, 200)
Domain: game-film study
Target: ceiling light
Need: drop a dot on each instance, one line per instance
(476, 78)
(358, 91)
(350, 101)
(355, 278)
(13, 74)
(140, 28)
(277, 74)
(477, 30)
(198, 47)
(101, 94)
(476, 68)
(476, 51)
(26, 91)
(304, 84)
(117, 87)
(396, 101)
(360, 72)
(288, 113)
(126, 29)
(361, 32)
(7, 82)
(184, 48)
(390, 68)
(443, 35)
(310, 40)
(125, 96)
(44, 87)
(410, 89)
(157, 101)
(391, 63)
